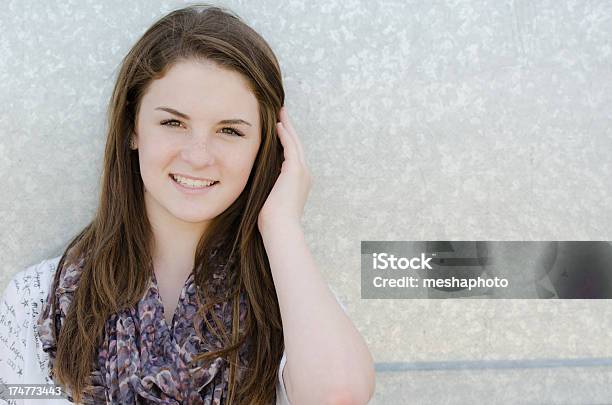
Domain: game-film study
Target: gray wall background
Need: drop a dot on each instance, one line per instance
(421, 120)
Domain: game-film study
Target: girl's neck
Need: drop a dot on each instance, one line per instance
(174, 240)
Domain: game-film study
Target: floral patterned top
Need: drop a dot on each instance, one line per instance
(143, 360)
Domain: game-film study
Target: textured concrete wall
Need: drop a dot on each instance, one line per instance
(421, 120)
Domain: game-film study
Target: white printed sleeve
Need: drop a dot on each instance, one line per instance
(13, 331)
(22, 360)
(281, 391)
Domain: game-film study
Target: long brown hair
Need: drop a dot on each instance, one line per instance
(117, 242)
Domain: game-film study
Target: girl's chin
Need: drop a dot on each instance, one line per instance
(193, 218)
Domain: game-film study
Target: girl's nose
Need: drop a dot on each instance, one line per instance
(199, 151)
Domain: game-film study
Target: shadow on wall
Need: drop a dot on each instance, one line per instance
(571, 269)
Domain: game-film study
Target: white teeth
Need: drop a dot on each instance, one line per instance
(191, 183)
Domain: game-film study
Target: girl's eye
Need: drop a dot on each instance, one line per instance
(171, 121)
(231, 131)
(225, 130)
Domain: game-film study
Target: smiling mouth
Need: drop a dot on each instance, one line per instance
(192, 184)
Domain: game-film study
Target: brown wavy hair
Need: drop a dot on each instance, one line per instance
(117, 242)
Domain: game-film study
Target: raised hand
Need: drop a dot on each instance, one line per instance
(285, 204)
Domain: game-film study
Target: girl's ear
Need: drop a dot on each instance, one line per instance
(133, 141)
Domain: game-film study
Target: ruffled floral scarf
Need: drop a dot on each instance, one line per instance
(143, 360)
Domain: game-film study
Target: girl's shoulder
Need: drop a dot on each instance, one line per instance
(27, 289)
(35, 279)
(21, 357)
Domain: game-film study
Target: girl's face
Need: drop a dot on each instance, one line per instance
(199, 123)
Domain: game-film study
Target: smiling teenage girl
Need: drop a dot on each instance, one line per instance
(193, 283)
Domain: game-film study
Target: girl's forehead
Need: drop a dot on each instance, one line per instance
(195, 88)
(192, 75)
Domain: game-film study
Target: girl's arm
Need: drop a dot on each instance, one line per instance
(328, 361)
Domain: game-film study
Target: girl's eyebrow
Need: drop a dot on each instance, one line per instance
(173, 111)
(235, 121)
